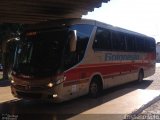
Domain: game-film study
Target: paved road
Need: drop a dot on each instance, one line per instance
(155, 108)
(27, 110)
(158, 65)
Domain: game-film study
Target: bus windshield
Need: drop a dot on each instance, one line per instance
(39, 54)
(44, 53)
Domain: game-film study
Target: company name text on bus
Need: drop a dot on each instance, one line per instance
(113, 57)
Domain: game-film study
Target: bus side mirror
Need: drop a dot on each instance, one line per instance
(73, 40)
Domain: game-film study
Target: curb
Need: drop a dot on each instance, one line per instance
(138, 111)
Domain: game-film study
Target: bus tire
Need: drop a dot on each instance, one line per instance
(95, 88)
(140, 76)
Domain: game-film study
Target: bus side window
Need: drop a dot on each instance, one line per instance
(118, 41)
(139, 41)
(130, 43)
(152, 46)
(102, 40)
(147, 45)
(83, 35)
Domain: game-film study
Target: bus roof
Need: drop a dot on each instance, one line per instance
(68, 22)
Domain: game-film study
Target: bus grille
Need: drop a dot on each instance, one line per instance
(30, 88)
(29, 95)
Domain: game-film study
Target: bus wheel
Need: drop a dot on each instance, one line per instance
(140, 76)
(95, 88)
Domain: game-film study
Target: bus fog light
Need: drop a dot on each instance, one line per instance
(50, 85)
(55, 95)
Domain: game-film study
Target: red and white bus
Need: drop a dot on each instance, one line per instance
(64, 59)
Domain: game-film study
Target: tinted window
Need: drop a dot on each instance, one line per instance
(83, 35)
(130, 43)
(147, 45)
(102, 40)
(40, 54)
(118, 41)
(139, 42)
(151, 45)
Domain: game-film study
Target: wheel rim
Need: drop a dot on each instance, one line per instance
(94, 88)
(140, 77)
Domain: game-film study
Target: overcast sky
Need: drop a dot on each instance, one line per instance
(142, 16)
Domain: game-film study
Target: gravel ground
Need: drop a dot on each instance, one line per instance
(155, 108)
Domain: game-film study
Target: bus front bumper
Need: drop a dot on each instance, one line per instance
(36, 92)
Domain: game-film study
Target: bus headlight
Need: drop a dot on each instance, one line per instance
(12, 81)
(50, 85)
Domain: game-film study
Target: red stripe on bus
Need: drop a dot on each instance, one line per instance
(119, 74)
(84, 72)
(68, 83)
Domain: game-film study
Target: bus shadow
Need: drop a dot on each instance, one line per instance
(31, 110)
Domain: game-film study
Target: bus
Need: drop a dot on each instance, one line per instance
(62, 59)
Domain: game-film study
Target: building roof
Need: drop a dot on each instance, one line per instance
(33, 11)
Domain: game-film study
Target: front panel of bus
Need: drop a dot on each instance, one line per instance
(41, 58)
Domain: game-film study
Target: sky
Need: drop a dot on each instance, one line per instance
(142, 16)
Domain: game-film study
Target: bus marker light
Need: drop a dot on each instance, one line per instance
(55, 95)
